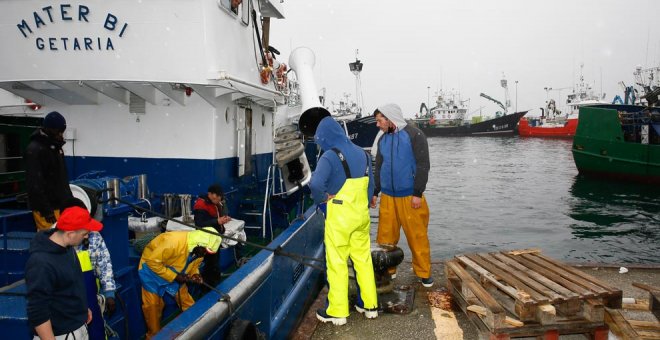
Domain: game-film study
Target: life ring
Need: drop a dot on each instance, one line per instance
(267, 70)
(280, 75)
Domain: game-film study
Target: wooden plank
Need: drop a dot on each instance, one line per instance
(593, 310)
(619, 325)
(538, 297)
(645, 324)
(579, 273)
(569, 307)
(562, 270)
(496, 318)
(482, 311)
(547, 276)
(576, 290)
(539, 277)
(644, 335)
(639, 304)
(524, 312)
(645, 287)
(485, 274)
(463, 304)
(546, 314)
(503, 263)
(524, 251)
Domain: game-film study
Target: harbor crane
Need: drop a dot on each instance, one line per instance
(494, 101)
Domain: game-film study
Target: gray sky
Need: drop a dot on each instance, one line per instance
(467, 45)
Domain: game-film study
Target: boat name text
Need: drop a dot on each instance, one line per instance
(65, 13)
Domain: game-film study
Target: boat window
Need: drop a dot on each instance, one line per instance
(230, 5)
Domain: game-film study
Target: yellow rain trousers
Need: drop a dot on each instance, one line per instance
(164, 257)
(347, 234)
(396, 212)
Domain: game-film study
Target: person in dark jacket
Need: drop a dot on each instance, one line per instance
(46, 176)
(56, 298)
(343, 179)
(210, 210)
(401, 173)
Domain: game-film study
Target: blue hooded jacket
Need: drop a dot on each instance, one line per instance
(329, 176)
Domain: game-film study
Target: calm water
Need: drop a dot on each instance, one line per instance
(499, 193)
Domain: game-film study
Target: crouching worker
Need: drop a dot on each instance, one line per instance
(168, 262)
(343, 179)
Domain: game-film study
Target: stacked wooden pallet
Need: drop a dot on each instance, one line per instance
(524, 293)
(631, 329)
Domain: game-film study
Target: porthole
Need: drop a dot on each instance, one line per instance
(263, 119)
(227, 115)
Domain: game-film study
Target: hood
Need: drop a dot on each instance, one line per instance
(393, 112)
(203, 239)
(330, 134)
(42, 244)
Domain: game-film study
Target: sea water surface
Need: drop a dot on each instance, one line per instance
(500, 193)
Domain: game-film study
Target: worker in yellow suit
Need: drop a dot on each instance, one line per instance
(343, 179)
(168, 262)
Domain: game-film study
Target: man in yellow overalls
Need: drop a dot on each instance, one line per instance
(168, 262)
(343, 179)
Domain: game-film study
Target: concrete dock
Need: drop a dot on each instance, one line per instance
(427, 322)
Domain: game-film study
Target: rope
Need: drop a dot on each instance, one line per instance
(277, 251)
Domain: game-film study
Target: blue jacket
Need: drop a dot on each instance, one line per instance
(329, 175)
(402, 163)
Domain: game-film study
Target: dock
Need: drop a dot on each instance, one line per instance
(589, 314)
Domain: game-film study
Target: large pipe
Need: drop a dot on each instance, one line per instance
(302, 62)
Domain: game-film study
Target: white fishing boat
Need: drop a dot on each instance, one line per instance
(163, 98)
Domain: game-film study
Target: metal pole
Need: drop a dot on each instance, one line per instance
(428, 98)
(516, 96)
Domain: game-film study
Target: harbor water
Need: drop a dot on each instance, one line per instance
(497, 193)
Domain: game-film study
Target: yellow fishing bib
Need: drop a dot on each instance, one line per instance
(347, 234)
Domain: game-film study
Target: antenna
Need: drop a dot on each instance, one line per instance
(356, 68)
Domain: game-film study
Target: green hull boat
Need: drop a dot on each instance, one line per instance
(618, 142)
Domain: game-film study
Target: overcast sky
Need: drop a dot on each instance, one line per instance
(467, 45)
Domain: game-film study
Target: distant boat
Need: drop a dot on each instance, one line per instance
(448, 117)
(503, 125)
(555, 123)
(620, 142)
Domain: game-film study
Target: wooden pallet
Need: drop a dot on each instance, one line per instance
(543, 297)
(628, 329)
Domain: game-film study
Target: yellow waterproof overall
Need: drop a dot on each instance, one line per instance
(397, 212)
(347, 234)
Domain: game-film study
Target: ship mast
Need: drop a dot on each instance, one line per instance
(356, 68)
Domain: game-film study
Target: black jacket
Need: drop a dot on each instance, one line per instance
(55, 286)
(46, 177)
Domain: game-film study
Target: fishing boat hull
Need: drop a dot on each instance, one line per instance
(362, 131)
(604, 148)
(504, 125)
(565, 130)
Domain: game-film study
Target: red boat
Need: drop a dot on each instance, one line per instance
(536, 127)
